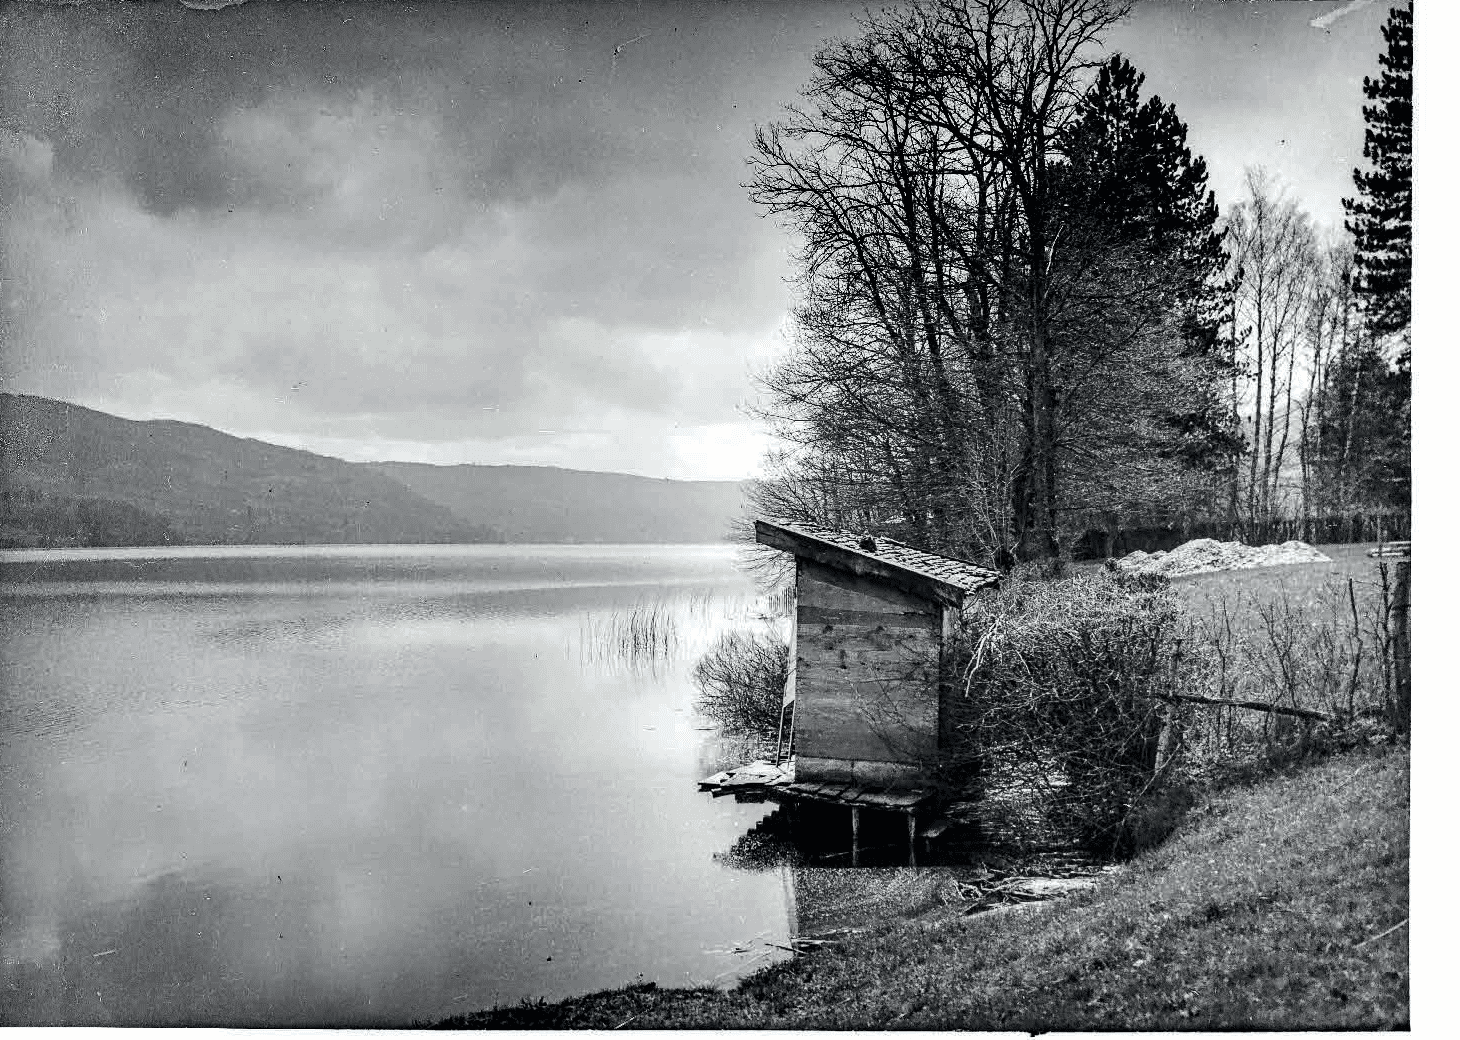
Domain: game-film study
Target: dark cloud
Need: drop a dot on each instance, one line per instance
(529, 96)
(128, 92)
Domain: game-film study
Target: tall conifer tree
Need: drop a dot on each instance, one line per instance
(1380, 215)
(1131, 171)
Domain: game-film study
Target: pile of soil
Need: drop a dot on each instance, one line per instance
(1204, 555)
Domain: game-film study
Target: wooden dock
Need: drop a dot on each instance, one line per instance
(857, 794)
(750, 782)
(764, 781)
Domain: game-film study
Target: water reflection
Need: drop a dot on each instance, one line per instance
(284, 793)
(807, 847)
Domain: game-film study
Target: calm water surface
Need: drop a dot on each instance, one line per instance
(359, 785)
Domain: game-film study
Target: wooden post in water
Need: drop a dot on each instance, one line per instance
(1401, 642)
(856, 839)
(912, 839)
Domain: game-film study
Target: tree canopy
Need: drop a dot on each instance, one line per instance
(1011, 282)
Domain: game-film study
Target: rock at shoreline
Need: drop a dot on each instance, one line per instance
(1204, 555)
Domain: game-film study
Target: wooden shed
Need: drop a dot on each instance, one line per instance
(866, 691)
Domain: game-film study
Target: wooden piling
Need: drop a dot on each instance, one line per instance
(856, 837)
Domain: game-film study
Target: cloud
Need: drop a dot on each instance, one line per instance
(345, 227)
(1257, 86)
(246, 323)
(28, 159)
(477, 232)
(354, 169)
(1323, 21)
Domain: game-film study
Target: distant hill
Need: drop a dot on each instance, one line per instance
(74, 476)
(548, 504)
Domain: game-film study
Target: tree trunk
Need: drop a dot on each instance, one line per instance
(1348, 438)
(1037, 538)
(1401, 644)
(1253, 503)
(1233, 505)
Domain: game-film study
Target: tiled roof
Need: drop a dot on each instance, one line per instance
(959, 573)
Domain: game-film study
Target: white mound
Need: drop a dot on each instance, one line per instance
(1203, 555)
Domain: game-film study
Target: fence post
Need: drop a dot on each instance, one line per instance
(1401, 643)
(1168, 741)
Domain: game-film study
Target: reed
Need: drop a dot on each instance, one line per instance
(646, 633)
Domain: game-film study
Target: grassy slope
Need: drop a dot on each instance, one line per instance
(1302, 582)
(1261, 913)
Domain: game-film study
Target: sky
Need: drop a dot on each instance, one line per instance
(493, 233)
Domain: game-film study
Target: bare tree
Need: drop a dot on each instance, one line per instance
(1332, 319)
(989, 334)
(1011, 75)
(1272, 244)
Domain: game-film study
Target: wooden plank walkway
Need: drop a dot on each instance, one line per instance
(754, 776)
(857, 794)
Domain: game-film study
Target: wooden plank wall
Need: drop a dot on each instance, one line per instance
(866, 670)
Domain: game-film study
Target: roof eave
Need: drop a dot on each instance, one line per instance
(860, 563)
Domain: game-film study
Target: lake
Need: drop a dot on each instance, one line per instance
(362, 785)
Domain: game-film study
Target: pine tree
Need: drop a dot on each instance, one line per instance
(1132, 172)
(1365, 433)
(1380, 216)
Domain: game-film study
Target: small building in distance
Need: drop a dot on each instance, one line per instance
(866, 685)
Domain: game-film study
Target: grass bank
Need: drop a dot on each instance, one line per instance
(1274, 907)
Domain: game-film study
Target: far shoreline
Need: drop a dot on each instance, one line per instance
(20, 554)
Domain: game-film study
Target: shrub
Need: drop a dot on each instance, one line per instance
(1049, 568)
(1057, 711)
(742, 680)
(1155, 817)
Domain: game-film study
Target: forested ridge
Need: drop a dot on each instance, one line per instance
(72, 476)
(549, 504)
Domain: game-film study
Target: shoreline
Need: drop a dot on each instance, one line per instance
(1275, 905)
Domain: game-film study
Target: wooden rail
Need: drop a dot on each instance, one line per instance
(1276, 709)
